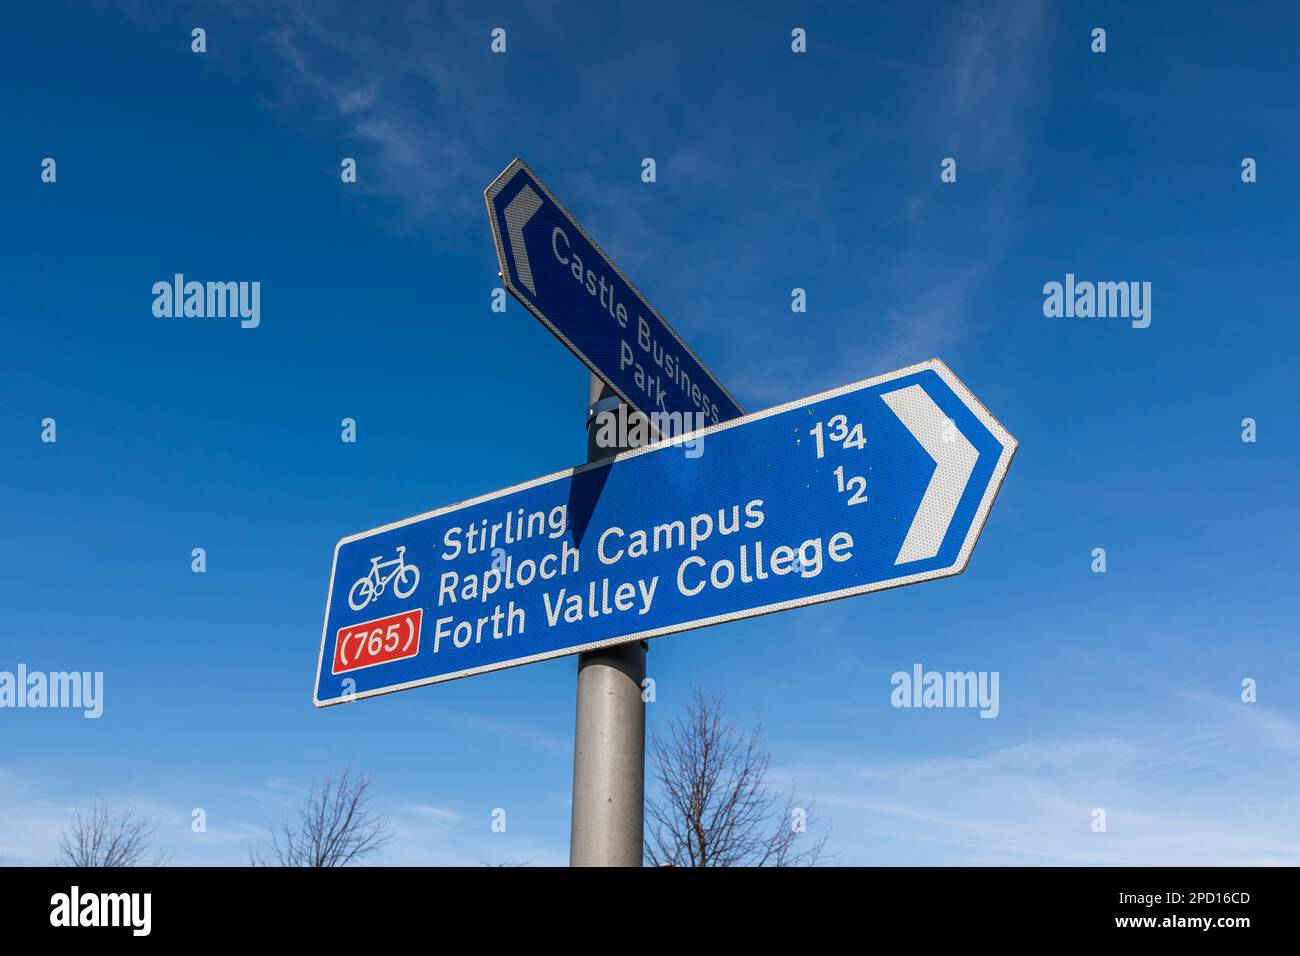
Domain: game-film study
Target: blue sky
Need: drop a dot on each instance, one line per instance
(775, 170)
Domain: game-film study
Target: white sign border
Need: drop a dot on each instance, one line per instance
(1008, 443)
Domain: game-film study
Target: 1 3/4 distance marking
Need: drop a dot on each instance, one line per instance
(384, 639)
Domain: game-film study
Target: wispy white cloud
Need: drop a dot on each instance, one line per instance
(276, 790)
(510, 731)
(435, 836)
(1216, 790)
(435, 813)
(34, 809)
(432, 116)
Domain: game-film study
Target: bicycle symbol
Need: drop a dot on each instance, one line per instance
(369, 588)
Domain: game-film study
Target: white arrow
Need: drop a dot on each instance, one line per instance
(954, 459)
(518, 211)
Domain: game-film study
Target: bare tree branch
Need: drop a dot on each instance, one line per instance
(717, 808)
(336, 826)
(100, 837)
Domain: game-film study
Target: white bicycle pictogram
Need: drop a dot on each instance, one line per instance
(405, 578)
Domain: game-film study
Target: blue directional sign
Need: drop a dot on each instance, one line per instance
(877, 484)
(551, 265)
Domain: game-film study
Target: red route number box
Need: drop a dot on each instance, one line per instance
(379, 641)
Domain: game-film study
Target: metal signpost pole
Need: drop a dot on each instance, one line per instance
(609, 737)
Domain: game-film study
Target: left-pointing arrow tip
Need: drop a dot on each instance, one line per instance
(518, 211)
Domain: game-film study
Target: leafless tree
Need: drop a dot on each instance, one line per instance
(336, 826)
(717, 807)
(101, 837)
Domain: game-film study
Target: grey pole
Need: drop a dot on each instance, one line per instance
(609, 738)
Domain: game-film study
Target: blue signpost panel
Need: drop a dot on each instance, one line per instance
(551, 265)
(877, 484)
